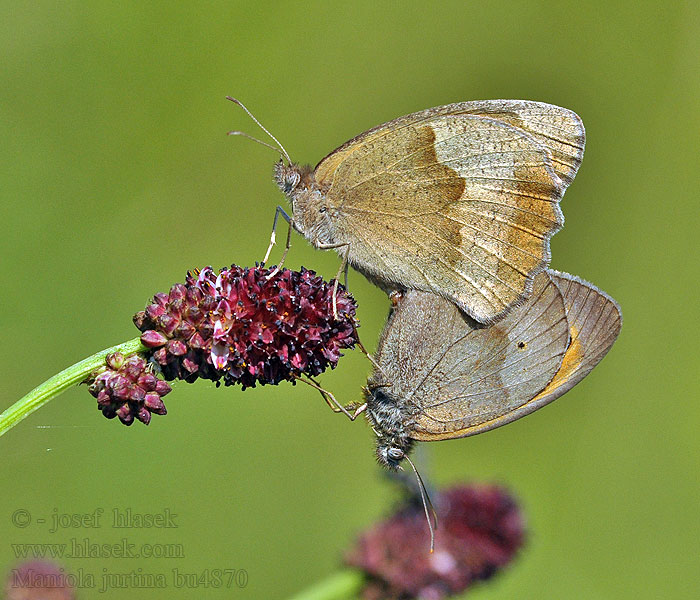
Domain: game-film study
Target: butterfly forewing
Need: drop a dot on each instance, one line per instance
(415, 338)
(458, 393)
(464, 204)
(494, 371)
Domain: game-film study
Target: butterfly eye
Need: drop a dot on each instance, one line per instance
(292, 180)
(395, 453)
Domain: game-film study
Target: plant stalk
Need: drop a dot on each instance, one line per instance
(342, 585)
(60, 382)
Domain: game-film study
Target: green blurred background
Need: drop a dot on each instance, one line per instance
(116, 177)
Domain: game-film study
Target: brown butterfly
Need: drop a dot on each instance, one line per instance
(459, 200)
(441, 375)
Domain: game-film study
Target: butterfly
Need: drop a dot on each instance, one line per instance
(459, 200)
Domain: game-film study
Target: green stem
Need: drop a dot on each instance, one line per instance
(62, 381)
(339, 586)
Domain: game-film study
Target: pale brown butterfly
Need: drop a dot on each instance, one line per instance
(459, 200)
(441, 375)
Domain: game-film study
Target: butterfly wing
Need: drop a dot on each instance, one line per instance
(558, 129)
(468, 375)
(417, 334)
(595, 320)
(465, 204)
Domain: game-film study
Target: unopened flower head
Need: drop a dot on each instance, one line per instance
(129, 389)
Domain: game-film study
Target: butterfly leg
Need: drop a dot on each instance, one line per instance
(288, 243)
(332, 402)
(343, 267)
(273, 236)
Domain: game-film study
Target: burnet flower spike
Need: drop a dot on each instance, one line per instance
(241, 325)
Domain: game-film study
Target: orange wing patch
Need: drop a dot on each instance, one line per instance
(570, 364)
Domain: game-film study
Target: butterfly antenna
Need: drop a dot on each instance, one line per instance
(250, 137)
(426, 503)
(250, 114)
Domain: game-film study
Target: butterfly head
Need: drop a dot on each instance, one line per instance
(287, 177)
(295, 181)
(390, 455)
(391, 421)
(309, 205)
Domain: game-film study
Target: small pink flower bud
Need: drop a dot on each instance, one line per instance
(153, 339)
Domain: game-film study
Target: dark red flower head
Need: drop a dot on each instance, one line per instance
(129, 389)
(480, 530)
(248, 326)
